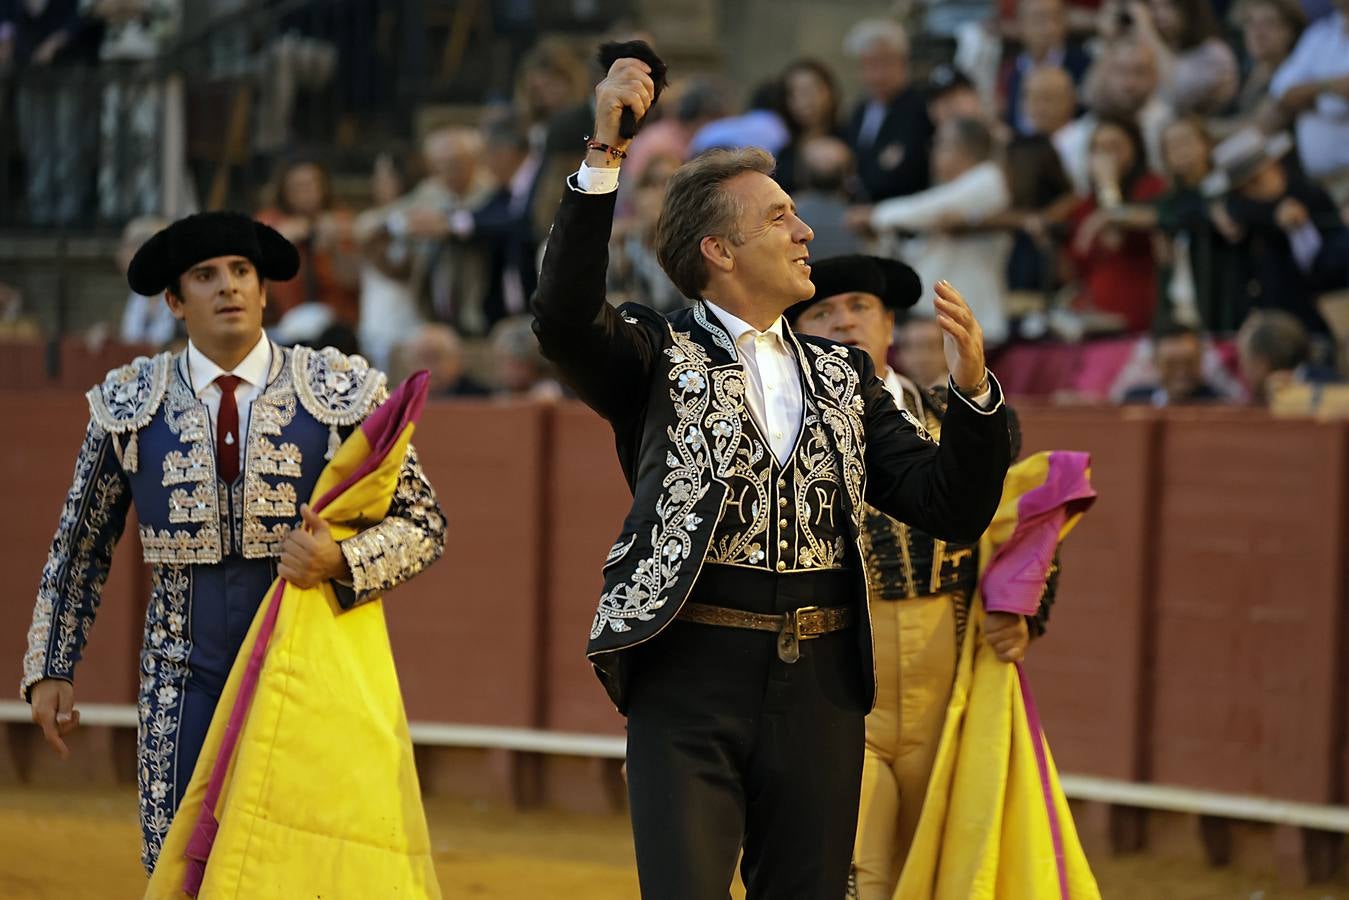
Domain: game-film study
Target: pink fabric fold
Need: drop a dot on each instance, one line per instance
(1014, 578)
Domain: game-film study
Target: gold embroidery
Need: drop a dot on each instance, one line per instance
(262, 541)
(336, 389)
(195, 508)
(387, 555)
(277, 501)
(196, 466)
(269, 459)
(164, 546)
(127, 400)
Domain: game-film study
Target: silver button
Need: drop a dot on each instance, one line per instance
(782, 523)
(782, 545)
(782, 501)
(782, 566)
(781, 483)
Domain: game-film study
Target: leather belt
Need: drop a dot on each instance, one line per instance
(791, 628)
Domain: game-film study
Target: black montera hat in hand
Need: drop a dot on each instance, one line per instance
(171, 252)
(896, 284)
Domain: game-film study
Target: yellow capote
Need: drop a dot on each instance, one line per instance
(322, 798)
(984, 832)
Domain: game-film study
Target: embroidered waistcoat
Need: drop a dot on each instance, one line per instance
(782, 517)
(166, 443)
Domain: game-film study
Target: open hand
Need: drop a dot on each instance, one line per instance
(310, 555)
(963, 339)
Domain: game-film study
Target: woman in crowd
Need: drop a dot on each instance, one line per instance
(1112, 247)
(1197, 71)
(1269, 31)
(811, 101)
(304, 212)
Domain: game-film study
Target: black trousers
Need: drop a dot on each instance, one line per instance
(730, 748)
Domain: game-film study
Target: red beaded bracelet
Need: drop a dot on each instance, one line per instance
(614, 152)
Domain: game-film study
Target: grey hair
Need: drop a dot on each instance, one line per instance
(869, 32)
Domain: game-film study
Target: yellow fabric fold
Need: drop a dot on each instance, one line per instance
(322, 798)
(984, 832)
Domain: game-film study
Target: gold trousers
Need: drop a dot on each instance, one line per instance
(915, 668)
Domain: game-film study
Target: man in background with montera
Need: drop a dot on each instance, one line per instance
(733, 630)
(215, 445)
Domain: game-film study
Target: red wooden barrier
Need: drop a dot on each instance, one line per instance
(1088, 669)
(587, 499)
(465, 633)
(1250, 599)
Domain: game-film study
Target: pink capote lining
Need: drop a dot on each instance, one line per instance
(1014, 581)
(1014, 578)
(382, 429)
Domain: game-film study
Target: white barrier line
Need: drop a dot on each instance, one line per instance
(1077, 787)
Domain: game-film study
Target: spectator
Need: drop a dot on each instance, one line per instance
(952, 95)
(133, 115)
(950, 219)
(1122, 84)
(1313, 86)
(52, 49)
(304, 211)
(521, 370)
(448, 277)
(1197, 71)
(889, 131)
(634, 272)
(811, 106)
(436, 348)
(1269, 29)
(1043, 29)
(822, 197)
(1274, 352)
(920, 352)
(388, 307)
(503, 225)
(1292, 239)
(1178, 359)
(145, 320)
(762, 125)
(552, 100)
(1042, 201)
(1111, 246)
(1050, 103)
(1201, 284)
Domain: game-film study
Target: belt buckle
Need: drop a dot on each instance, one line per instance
(789, 638)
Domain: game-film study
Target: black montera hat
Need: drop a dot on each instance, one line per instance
(171, 252)
(896, 284)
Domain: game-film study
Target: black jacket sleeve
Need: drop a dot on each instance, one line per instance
(604, 356)
(949, 490)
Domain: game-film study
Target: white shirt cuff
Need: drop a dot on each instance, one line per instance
(982, 403)
(591, 180)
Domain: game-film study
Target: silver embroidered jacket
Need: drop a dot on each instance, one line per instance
(149, 441)
(673, 389)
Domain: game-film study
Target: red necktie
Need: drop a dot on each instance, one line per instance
(227, 429)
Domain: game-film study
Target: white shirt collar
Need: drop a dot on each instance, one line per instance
(738, 327)
(252, 369)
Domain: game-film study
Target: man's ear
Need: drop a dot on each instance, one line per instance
(716, 253)
(175, 304)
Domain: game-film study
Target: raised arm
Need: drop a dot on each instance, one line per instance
(606, 357)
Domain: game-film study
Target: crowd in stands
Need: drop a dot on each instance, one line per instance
(1175, 172)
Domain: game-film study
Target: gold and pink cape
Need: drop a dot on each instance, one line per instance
(995, 823)
(305, 786)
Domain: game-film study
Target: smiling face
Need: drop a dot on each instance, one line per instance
(220, 302)
(766, 258)
(855, 318)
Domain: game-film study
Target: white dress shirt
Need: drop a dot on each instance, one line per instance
(774, 393)
(1321, 54)
(253, 370)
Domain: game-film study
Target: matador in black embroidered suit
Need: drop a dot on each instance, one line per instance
(733, 630)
